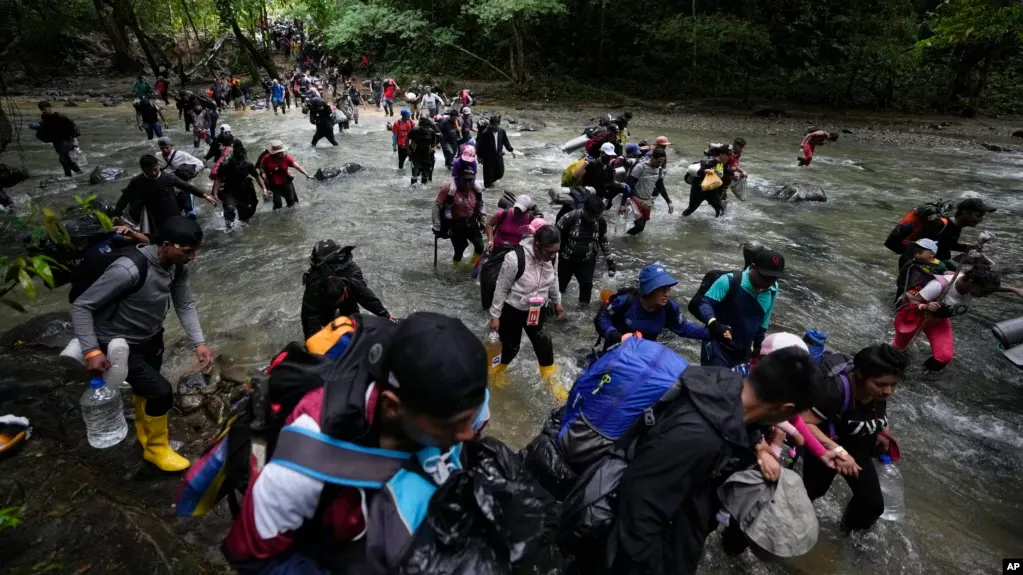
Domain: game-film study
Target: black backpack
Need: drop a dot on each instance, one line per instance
(708, 280)
(97, 259)
(491, 268)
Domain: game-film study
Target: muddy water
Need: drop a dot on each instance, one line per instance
(960, 432)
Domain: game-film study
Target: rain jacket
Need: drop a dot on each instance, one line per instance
(540, 278)
(668, 497)
(334, 288)
(625, 314)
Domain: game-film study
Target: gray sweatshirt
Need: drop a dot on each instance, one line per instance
(540, 278)
(139, 316)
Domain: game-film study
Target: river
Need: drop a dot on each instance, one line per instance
(960, 432)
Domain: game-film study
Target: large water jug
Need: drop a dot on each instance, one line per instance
(78, 157)
(103, 413)
(890, 478)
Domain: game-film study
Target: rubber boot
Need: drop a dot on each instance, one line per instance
(475, 258)
(155, 439)
(498, 378)
(549, 376)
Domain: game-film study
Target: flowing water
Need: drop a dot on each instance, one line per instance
(960, 432)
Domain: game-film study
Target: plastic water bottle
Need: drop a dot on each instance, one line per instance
(492, 344)
(103, 413)
(117, 355)
(890, 478)
(78, 157)
(608, 288)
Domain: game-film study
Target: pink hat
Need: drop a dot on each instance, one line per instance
(535, 225)
(777, 341)
(469, 153)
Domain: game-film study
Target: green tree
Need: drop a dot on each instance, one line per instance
(497, 17)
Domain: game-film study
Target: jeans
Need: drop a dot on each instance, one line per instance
(63, 150)
(449, 153)
(285, 192)
(279, 104)
(513, 323)
(424, 167)
(583, 272)
(153, 129)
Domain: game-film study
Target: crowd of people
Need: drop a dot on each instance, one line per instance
(366, 389)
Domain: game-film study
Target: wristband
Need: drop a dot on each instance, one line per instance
(839, 449)
(93, 354)
(711, 320)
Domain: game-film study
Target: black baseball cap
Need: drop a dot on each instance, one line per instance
(435, 365)
(973, 205)
(180, 231)
(770, 263)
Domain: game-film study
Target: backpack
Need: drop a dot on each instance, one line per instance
(912, 224)
(568, 180)
(255, 432)
(612, 394)
(97, 259)
(491, 268)
(616, 313)
(734, 284)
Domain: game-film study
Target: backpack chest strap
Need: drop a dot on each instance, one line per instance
(335, 461)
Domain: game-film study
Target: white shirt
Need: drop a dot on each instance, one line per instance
(179, 158)
(953, 298)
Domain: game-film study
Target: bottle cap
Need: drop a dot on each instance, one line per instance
(96, 383)
(886, 459)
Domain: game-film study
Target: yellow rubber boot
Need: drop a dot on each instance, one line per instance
(498, 378)
(549, 376)
(475, 258)
(155, 439)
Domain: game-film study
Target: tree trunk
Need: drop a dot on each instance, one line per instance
(123, 60)
(258, 58)
(518, 56)
(191, 23)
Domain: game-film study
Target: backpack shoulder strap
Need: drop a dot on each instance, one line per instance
(142, 265)
(734, 285)
(335, 461)
(520, 253)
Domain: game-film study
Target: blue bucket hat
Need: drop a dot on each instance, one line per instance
(654, 276)
(632, 149)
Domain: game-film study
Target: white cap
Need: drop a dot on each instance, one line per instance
(224, 128)
(467, 110)
(927, 244)
(777, 341)
(608, 149)
(523, 202)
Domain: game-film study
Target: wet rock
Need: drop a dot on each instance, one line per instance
(1017, 134)
(52, 330)
(388, 127)
(188, 404)
(106, 173)
(996, 147)
(57, 183)
(323, 174)
(215, 408)
(771, 113)
(846, 131)
(936, 127)
(235, 374)
(10, 177)
(513, 121)
(797, 192)
(196, 420)
(69, 103)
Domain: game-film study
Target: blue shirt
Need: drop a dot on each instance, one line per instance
(278, 93)
(625, 314)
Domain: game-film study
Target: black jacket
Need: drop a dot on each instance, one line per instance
(157, 195)
(334, 288)
(668, 496)
(423, 139)
(449, 132)
(490, 151)
(56, 127)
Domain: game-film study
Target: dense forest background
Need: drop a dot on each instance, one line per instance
(953, 56)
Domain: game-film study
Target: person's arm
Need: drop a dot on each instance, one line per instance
(654, 486)
(119, 276)
(159, 112)
(184, 306)
(717, 292)
(364, 296)
(183, 185)
(605, 319)
(507, 143)
(394, 137)
(661, 190)
(259, 178)
(565, 225)
(602, 241)
(491, 224)
(812, 444)
(298, 167)
(138, 118)
(310, 314)
(676, 322)
(438, 207)
(123, 201)
(505, 280)
(631, 182)
(554, 293)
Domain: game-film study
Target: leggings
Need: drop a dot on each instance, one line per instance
(807, 155)
(867, 503)
(513, 323)
(583, 272)
(697, 196)
(423, 167)
(324, 130)
(939, 333)
(144, 363)
(285, 192)
(402, 156)
(462, 234)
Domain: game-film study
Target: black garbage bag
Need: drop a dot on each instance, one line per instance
(545, 460)
(589, 513)
(485, 520)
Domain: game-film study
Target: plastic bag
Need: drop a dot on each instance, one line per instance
(483, 520)
(711, 181)
(78, 157)
(544, 459)
(590, 509)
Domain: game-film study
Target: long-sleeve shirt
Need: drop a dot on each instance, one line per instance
(139, 316)
(180, 158)
(625, 314)
(56, 127)
(814, 139)
(581, 237)
(156, 195)
(324, 299)
(646, 181)
(538, 279)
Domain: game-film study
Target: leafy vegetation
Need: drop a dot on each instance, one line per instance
(916, 55)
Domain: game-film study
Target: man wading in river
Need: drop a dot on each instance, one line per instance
(61, 131)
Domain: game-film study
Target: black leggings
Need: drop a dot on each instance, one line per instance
(462, 234)
(423, 167)
(583, 272)
(324, 130)
(867, 503)
(285, 192)
(402, 156)
(697, 196)
(513, 323)
(637, 227)
(144, 363)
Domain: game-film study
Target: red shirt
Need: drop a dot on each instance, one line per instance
(276, 167)
(402, 128)
(463, 205)
(389, 88)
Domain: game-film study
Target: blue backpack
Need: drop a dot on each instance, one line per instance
(612, 394)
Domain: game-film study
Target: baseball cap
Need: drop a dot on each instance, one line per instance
(776, 341)
(324, 249)
(435, 365)
(631, 149)
(770, 263)
(608, 149)
(654, 276)
(662, 141)
(927, 244)
(164, 141)
(224, 128)
(180, 231)
(973, 205)
(523, 202)
(469, 153)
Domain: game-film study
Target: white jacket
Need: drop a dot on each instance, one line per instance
(539, 278)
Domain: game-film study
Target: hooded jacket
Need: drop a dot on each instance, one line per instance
(668, 497)
(540, 278)
(335, 287)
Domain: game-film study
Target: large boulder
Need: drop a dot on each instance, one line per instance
(996, 147)
(1017, 134)
(106, 173)
(797, 192)
(10, 177)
